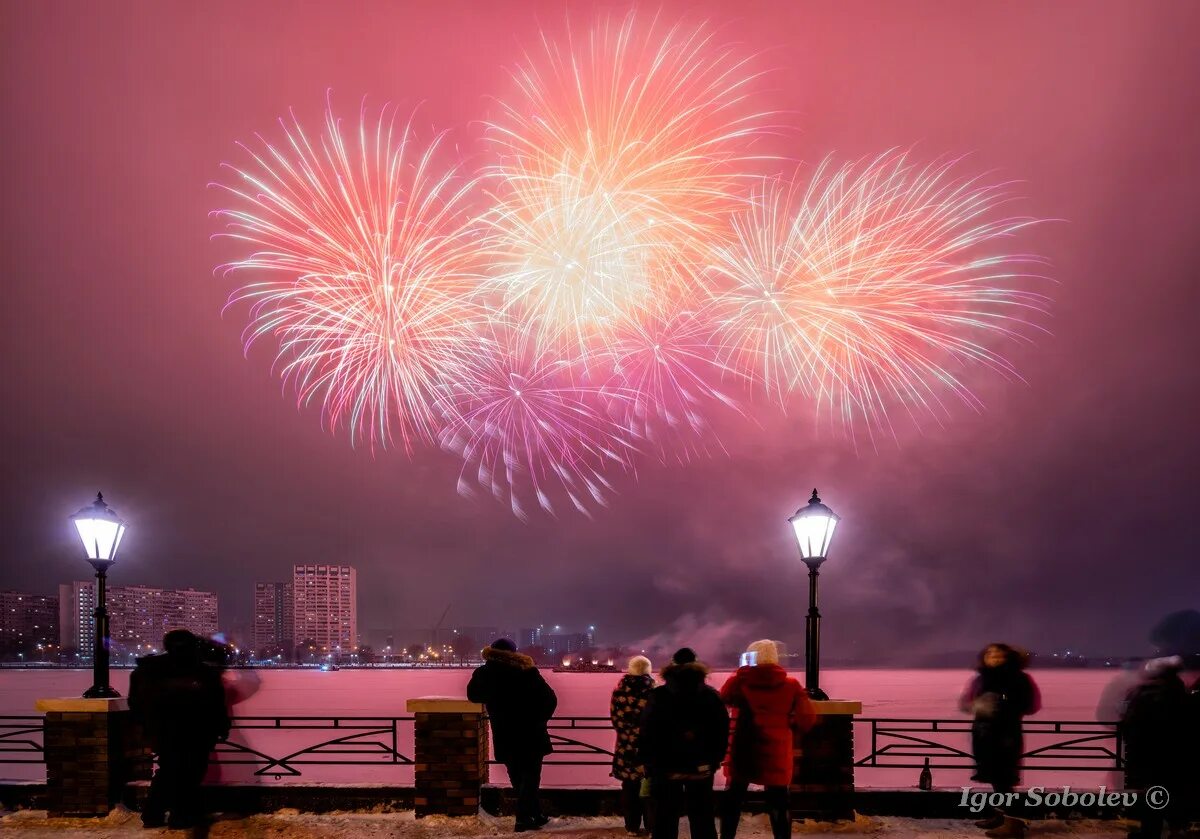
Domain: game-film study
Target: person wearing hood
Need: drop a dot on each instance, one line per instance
(770, 710)
(999, 696)
(1154, 727)
(625, 710)
(179, 701)
(1192, 775)
(519, 705)
(685, 730)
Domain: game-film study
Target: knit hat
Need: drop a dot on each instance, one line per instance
(504, 644)
(766, 650)
(683, 655)
(639, 665)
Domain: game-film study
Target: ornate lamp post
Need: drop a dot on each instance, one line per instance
(101, 530)
(814, 525)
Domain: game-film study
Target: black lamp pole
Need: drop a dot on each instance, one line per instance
(814, 525)
(101, 689)
(100, 529)
(812, 634)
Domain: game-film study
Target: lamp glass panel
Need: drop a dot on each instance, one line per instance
(813, 533)
(100, 537)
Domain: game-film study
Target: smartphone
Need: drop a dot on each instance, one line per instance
(749, 659)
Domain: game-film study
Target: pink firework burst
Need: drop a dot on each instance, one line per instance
(525, 424)
(663, 360)
(371, 271)
(876, 285)
(619, 154)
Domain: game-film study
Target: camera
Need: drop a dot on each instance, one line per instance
(749, 659)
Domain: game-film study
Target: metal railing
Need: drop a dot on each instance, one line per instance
(587, 741)
(358, 740)
(22, 739)
(1072, 745)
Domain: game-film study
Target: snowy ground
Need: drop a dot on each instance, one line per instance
(289, 824)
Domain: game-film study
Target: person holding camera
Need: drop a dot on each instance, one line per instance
(770, 710)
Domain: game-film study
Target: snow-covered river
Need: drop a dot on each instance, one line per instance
(920, 694)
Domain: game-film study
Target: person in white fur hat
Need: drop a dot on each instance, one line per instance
(625, 709)
(770, 709)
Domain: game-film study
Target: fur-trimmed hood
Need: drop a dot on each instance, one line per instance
(504, 658)
(685, 677)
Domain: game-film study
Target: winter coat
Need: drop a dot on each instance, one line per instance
(770, 711)
(625, 710)
(999, 697)
(685, 727)
(179, 701)
(519, 704)
(1154, 730)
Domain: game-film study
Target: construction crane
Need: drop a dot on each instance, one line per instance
(433, 639)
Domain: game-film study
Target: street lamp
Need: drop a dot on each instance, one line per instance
(814, 525)
(101, 531)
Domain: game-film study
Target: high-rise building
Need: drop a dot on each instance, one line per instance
(567, 642)
(274, 615)
(28, 625)
(76, 618)
(138, 616)
(325, 607)
(529, 637)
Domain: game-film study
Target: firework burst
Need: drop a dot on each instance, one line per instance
(525, 424)
(617, 158)
(664, 359)
(874, 286)
(372, 303)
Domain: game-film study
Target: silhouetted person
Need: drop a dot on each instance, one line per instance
(1115, 696)
(770, 710)
(519, 704)
(685, 732)
(625, 709)
(1192, 780)
(180, 702)
(999, 696)
(1154, 729)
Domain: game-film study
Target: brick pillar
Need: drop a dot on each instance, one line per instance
(451, 755)
(823, 780)
(91, 751)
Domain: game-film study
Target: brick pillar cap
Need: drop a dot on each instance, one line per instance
(444, 705)
(837, 706)
(78, 705)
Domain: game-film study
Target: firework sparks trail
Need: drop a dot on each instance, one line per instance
(373, 302)
(875, 286)
(524, 422)
(618, 158)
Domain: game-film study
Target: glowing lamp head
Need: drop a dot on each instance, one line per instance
(101, 530)
(814, 524)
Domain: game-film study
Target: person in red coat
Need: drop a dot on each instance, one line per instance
(769, 710)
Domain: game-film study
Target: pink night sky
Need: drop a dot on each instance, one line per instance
(1062, 515)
